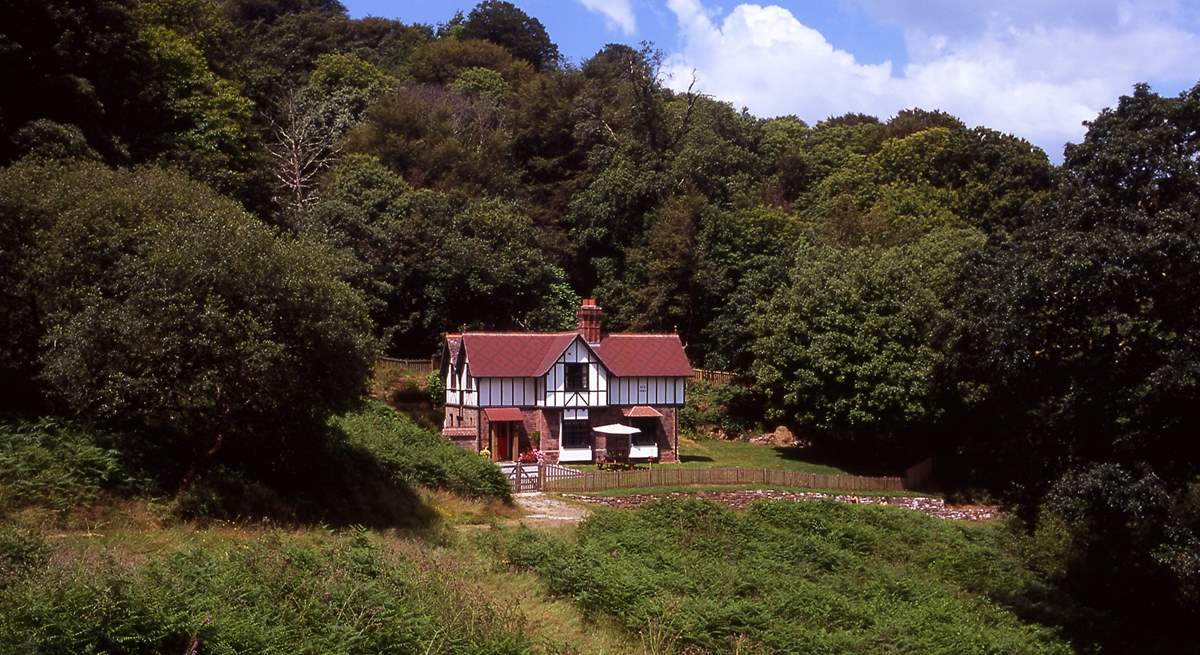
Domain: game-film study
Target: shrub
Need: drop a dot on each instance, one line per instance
(720, 410)
(436, 388)
(161, 307)
(1124, 542)
(417, 456)
(56, 464)
(20, 551)
(833, 578)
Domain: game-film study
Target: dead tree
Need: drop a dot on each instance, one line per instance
(304, 144)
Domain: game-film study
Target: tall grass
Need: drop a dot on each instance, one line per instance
(796, 578)
(316, 593)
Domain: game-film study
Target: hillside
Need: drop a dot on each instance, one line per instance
(217, 215)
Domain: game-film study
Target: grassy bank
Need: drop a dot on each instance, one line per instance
(798, 578)
(716, 453)
(694, 488)
(711, 453)
(239, 589)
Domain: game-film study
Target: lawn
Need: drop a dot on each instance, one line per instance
(710, 453)
(715, 453)
(694, 488)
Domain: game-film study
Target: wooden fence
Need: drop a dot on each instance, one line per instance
(715, 377)
(410, 365)
(522, 477)
(665, 477)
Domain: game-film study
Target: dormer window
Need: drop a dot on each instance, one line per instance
(576, 377)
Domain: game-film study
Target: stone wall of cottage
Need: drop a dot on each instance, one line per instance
(546, 423)
(460, 417)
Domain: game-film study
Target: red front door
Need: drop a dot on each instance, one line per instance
(502, 451)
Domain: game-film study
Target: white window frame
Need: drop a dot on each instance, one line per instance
(573, 454)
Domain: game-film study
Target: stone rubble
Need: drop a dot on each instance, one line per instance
(740, 499)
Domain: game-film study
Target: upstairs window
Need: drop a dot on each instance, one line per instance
(576, 377)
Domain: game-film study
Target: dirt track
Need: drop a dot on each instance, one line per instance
(542, 507)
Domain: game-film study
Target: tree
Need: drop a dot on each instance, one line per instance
(155, 305)
(432, 262)
(436, 137)
(441, 61)
(503, 23)
(304, 144)
(853, 345)
(1083, 326)
(204, 123)
(310, 121)
(744, 254)
(77, 63)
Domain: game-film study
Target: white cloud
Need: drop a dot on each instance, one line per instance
(1038, 76)
(617, 13)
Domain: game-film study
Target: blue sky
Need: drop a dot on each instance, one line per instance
(1035, 68)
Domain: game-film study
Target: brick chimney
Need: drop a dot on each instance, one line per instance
(589, 315)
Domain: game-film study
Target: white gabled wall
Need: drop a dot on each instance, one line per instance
(461, 388)
(646, 391)
(506, 392)
(551, 388)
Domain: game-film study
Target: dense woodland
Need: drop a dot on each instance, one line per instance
(216, 214)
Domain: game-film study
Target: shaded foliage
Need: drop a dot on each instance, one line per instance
(149, 302)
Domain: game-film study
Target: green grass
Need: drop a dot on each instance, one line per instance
(715, 453)
(711, 453)
(785, 577)
(138, 587)
(634, 491)
(274, 592)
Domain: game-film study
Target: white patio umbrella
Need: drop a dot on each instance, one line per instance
(616, 428)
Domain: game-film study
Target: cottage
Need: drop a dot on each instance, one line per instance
(579, 397)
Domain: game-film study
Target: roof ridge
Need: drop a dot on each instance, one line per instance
(514, 333)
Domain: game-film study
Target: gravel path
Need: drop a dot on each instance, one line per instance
(740, 499)
(540, 507)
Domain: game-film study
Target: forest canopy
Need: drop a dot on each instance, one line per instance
(217, 213)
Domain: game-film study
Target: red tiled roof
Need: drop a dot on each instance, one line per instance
(641, 411)
(514, 355)
(628, 355)
(531, 354)
(500, 414)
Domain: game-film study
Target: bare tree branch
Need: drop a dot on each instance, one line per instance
(304, 145)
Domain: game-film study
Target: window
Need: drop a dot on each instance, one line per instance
(649, 431)
(577, 379)
(576, 434)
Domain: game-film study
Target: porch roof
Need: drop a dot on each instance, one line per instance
(502, 414)
(641, 411)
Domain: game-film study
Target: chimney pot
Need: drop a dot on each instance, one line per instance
(589, 315)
